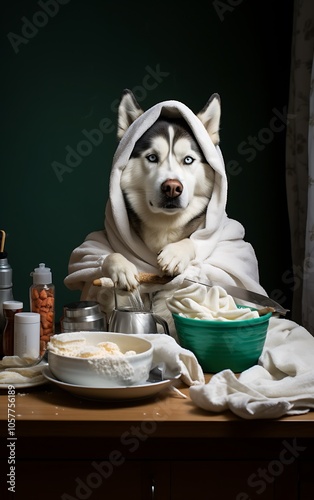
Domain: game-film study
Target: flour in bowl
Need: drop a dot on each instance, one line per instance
(76, 345)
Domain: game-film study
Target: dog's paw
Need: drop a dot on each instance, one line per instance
(175, 257)
(122, 272)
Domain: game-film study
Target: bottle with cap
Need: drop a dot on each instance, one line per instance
(10, 308)
(6, 292)
(42, 301)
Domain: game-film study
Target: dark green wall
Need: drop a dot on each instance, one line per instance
(67, 75)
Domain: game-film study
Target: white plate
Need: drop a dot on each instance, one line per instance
(25, 385)
(111, 393)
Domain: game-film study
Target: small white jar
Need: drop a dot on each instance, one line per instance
(27, 334)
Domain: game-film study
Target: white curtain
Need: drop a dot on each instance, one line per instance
(300, 162)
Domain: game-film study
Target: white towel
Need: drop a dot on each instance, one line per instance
(281, 384)
(201, 302)
(176, 359)
(14, 370)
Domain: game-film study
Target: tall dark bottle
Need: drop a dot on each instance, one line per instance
(6, 287)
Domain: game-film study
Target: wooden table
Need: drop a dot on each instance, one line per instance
(162, 448)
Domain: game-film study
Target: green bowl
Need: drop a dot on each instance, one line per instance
(219, 345)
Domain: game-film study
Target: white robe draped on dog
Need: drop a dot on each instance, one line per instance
(222, 255)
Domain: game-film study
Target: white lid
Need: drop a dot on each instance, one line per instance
(12, 304)
(42, 275)
(27, 317)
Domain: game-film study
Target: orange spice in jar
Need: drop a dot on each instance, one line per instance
(42, 301)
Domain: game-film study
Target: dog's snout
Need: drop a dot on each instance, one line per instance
(172, 188)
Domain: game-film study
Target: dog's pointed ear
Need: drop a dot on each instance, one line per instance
(210, 117)
(128, 111)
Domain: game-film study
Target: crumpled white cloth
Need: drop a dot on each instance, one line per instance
(176, 359)
(14, 370)
(281, 384)
(201, 302)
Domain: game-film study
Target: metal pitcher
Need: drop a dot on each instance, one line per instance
(130, 320)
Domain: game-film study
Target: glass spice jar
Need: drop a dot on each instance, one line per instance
(42, 301)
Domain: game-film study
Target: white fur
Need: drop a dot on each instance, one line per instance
(210, 117)
(175, 257)
(122, 272)
(128, 112)
(142, 181)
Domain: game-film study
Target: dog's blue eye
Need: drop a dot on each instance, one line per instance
(152, 158)
(188, 160)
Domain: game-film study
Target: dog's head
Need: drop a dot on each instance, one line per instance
(167, 172)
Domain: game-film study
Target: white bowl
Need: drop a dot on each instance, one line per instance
(110, 371)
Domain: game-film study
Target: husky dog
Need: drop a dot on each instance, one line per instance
(165, 214)
(167, 185)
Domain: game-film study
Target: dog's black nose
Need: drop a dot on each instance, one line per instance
(172, 188)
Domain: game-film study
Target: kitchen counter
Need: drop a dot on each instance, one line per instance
(48, 407)
(161, 440)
